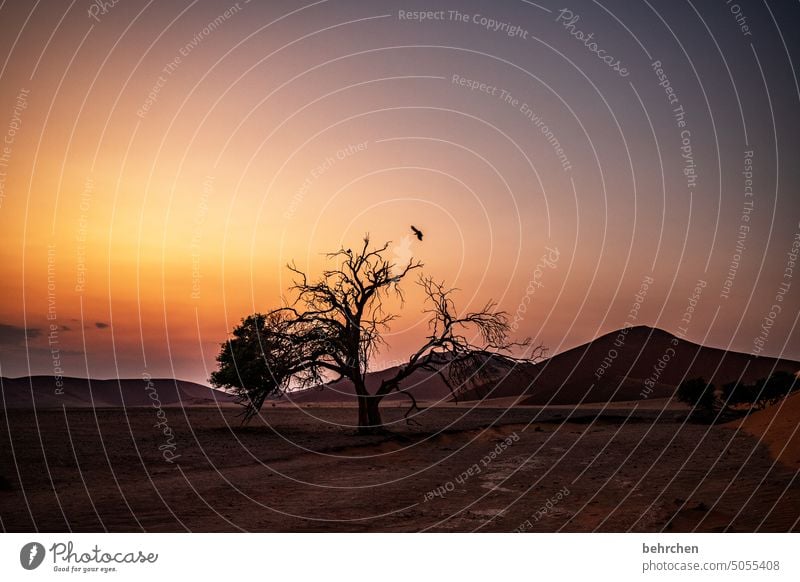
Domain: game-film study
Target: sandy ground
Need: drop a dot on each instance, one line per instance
(626, 468)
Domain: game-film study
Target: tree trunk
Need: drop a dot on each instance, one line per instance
(374, 412)
(369, 414)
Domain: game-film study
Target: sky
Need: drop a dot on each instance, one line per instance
(587, 166)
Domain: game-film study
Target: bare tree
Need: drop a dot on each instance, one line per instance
(334, 327)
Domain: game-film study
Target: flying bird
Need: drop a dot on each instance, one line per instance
(416, 231)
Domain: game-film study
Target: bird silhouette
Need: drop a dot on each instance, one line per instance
(416, 231)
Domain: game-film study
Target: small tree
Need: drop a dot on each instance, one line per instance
(775, 388)
(335, 324)
(697, 393)
(764, 392)
(261, 352)
(737, 393)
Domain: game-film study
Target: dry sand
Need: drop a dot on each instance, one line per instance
(778, 428)
(625, 469)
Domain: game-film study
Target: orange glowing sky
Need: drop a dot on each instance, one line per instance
(178, 166)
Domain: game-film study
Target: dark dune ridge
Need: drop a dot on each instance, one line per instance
(635, 363)
(629, 364)
(43, 392)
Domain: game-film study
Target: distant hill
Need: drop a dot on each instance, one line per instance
(26, 391)
(614, 367)
(424, 384)
(631, 364)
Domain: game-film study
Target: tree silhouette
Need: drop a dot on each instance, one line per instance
(335, 325)
(698, 393)
(764, 392)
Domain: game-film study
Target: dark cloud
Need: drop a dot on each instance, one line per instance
(100, 325)
(14, 335)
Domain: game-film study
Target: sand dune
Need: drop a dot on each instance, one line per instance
(640, 363)
(43, 392)
(778, 428)
(425, 385)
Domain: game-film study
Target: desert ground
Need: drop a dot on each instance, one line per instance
(462, 468)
